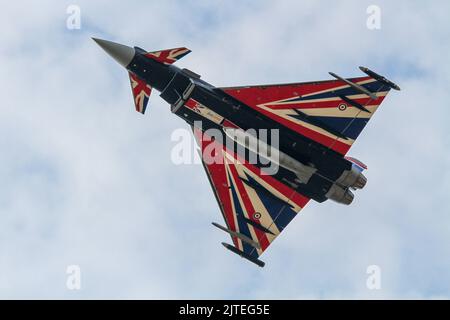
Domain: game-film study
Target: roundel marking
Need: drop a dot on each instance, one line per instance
(342, 107)
(257, 215)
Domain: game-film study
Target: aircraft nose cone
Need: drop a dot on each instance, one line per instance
(121, 53)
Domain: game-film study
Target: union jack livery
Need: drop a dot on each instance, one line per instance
(168, 56)
(315, 123)
(141, 92)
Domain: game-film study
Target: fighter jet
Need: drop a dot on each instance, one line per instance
(316, 124)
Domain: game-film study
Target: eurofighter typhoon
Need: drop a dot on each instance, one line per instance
(299, 134)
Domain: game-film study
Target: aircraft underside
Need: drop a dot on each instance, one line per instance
(266, 149)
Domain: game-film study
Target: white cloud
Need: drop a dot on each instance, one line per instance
(88, 181)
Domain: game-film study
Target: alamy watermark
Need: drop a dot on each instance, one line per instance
(252, 146)
(373, 281)
(373, 21)
(73, 281)
(73, 21)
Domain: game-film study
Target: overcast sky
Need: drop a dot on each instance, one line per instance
(87, 181)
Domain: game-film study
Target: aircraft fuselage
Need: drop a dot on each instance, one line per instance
(178, 86)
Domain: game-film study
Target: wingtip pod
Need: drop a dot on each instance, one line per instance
(380, 78)
(244, 255)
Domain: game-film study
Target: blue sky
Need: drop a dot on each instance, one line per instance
(88, 181)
